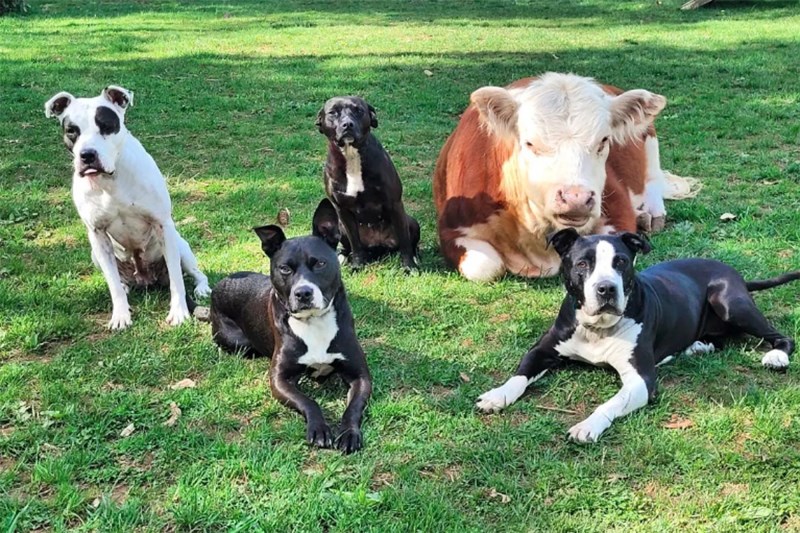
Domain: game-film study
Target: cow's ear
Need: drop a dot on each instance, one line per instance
(498, 110)
(633, 112)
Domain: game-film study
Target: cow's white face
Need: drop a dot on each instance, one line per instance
(563, 126)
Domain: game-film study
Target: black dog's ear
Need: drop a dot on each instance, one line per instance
(373, 117)
(563, 240)
(325, 224)
(272, 237)
(320, 119)
(637, 242)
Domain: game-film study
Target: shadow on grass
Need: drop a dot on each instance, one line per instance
(303, 13)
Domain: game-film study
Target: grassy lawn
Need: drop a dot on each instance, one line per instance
(226, 98)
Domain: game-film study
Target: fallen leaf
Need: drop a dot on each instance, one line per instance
(174, 414)
(128, 431)
(283, 216)
(504, 498)
(428, 72)
(676, 422)
(726, 217)
(96, 503)
(464, 377)
(183, 384)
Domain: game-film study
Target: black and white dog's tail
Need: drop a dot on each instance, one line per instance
(762, 284)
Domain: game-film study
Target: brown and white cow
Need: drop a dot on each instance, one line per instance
(540, 155)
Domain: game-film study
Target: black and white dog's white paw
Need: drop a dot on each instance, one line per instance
(589, 430)
(775, 359)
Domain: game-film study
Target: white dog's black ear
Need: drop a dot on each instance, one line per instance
(119, 96)
(637, 242)
(325, 224)
(373, 117)
(56, 105)
(563, 240)
(272, 238)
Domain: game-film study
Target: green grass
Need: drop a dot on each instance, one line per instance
(226, 96)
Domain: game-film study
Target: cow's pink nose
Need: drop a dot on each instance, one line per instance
(575, 199)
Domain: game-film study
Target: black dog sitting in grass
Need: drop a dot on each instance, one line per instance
(299, 316)
(363, 184)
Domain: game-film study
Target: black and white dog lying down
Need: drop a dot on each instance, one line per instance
(298, 316)
(632, 322)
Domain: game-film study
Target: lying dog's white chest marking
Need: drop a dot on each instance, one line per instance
(317, 333)
(355, 183)
(612, 347)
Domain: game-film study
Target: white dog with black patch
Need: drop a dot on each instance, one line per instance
(122, 198)
(632, 322)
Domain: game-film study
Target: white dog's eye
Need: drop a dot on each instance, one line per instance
(285, 270)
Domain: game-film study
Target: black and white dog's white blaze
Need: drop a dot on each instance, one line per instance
(298, 316)
(632, 322)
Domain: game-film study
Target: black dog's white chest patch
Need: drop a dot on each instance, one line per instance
(317, 333)
(613, 348)
(355, 181)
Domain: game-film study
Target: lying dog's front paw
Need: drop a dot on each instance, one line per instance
(202, 291)
(492, 401)
(120, 319)
(319, 434)
(775, 359)
(658, 223)
(177, 315)
(587, 431)
(350, 440)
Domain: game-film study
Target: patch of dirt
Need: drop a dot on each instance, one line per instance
(382, 480)
(791, 523)
(438, 391)
(7, 464)
(734, 489)
(6, 431)
(138, 464)
(120, 494)
(502, 317)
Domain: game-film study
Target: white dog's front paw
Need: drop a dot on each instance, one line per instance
(587, 431)
(775, 359)
(202, 290)
(120, 319)
(177, 315)
(492, 401)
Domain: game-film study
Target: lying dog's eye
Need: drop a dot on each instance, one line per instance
(582, 264)
(285, 270)
(320, 265)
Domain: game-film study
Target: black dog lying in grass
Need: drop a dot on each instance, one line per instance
(298, 316)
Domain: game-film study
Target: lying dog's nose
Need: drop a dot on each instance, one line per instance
(607, 289)
(304, 294)
(88, 156)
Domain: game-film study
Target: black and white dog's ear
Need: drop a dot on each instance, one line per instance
(563, 240)
(637, 242)
(55, 107)
(272, 238)
(373, 117)
(325, 224)
(119, 96)
(320, 119)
